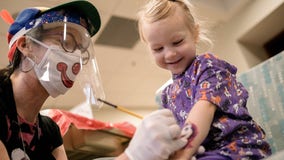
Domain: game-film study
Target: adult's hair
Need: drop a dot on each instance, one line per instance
(12, 66)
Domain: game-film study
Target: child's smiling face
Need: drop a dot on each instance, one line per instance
(171, 42)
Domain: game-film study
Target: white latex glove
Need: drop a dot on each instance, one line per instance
(187, 132)
(156, 137)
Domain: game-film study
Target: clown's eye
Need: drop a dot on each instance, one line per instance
(69, 43)
(66, 41)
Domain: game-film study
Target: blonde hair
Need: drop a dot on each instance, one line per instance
(155, 10)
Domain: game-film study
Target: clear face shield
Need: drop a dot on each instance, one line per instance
(64, 53)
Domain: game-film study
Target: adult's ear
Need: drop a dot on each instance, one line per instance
(22, 45)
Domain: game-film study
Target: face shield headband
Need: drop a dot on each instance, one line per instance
(27, 21)
(66, 56)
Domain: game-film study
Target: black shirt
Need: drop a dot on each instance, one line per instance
(43, 142)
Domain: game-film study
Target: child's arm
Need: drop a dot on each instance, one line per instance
(200, 117)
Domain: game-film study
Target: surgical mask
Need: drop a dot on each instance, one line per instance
(57, 69)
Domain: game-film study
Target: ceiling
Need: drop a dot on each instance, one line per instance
(129, 75)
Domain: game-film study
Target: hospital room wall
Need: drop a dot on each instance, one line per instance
(226, 37)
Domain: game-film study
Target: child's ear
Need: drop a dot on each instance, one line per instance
(22, 45)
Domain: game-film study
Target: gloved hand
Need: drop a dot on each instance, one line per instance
(156, 137)
(187, 131)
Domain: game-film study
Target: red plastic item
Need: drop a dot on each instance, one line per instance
(64, 119)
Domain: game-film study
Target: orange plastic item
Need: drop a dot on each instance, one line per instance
(6, 16)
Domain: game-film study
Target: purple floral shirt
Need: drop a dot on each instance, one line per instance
(233, 132)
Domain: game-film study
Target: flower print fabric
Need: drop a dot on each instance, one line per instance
(233, 132)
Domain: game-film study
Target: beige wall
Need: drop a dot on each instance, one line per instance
(112, 115)
(226, 35)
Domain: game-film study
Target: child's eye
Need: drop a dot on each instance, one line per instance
(177, 42)
(158, 49)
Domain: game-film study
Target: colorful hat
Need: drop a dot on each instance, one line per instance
(34, 17)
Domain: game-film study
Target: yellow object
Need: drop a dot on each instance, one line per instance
(128, 112)
(121, 109)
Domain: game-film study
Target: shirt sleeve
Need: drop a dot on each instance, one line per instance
(216, 83)
(3, 126)
(51, 129)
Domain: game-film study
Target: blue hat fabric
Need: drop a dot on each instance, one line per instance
(33, 17)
